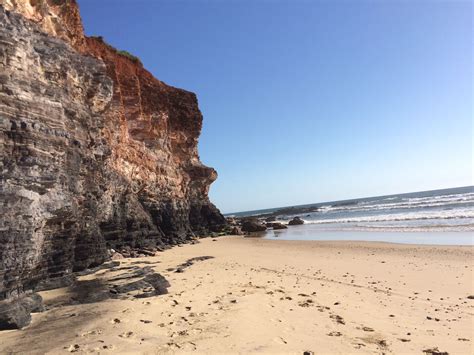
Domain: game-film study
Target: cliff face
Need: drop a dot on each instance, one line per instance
(96, 154)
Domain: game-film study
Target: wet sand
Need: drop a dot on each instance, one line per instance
(267, 296)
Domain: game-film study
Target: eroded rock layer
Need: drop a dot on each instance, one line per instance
(96, 154)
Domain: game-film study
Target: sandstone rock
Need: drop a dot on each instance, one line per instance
(236, 231)
(51, 101)
(116, 256)
(15, 312)
(252, 225)
(277, 225)
(295, 221)
(96, 154)
(231, 221)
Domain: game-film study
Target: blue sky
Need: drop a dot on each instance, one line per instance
(311, 101)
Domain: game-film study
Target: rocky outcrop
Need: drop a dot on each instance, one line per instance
(295, 221)
(253, 225)
(96, 154)
(276, 225)
(236, 230)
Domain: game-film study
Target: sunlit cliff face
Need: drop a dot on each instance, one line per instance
(153, 128)
(97, 153)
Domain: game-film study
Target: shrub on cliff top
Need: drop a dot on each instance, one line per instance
(121, 52)
(99, 38)
(129, 55)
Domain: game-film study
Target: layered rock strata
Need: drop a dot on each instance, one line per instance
(96, 154)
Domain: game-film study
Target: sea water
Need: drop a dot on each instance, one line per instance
(429, 217)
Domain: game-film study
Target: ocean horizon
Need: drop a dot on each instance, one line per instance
(444, 216)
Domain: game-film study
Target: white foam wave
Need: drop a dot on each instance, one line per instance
(409, 216)
(421, 202)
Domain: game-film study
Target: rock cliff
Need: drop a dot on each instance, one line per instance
(96, 154)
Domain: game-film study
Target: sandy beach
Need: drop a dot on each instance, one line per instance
(253, 295)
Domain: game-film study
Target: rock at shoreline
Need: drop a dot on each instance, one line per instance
(279, 226)
(270, 219)
(295, 221)
(253, 225)
(276, 225)
(231, 221)
(236, 231)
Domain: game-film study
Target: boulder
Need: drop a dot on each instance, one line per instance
(277, 225)
(231, 221)
(15, 313)
(252, 225)
(295, 221)
(236, 231)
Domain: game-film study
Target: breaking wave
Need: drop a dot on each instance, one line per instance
(450, 209)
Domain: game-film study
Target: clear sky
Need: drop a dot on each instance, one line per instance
(312, 101)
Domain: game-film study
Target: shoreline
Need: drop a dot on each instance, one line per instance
(270, 296)
(311, 233)
(368, 242)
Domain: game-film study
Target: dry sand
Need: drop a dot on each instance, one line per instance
(269, 296)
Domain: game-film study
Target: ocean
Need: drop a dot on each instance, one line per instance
(428, 217)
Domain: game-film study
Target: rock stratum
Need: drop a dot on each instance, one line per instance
(96, 154)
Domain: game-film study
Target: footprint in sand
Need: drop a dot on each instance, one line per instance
(92, 332)
(435, 351)
(126, 334)
(338, 319)
(380, 343)
(280, 340)
(74, 348)
(306, 303)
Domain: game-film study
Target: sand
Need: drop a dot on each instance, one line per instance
(268, 296)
